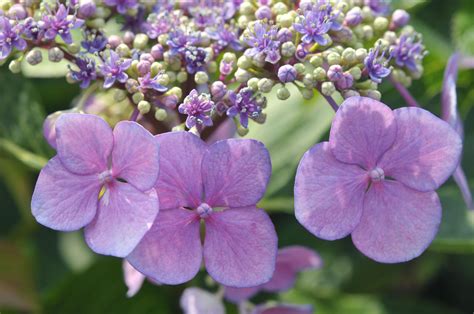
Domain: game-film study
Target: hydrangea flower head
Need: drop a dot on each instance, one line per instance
(218, 184)
(114, 69)
(375, 179)
(61, 23)
(10, 38)
(290, 261)
(91, 158)
(197, 107)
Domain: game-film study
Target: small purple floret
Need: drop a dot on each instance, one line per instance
(198, 108)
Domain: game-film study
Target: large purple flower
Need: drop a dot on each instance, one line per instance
(290, 261)
(61, 23)
(218, 184)
(68, 194)
(376, 65)
(10, 38)
(197, 107)
(375, 179)
(113, 69)
(263, 42)
(245, 105)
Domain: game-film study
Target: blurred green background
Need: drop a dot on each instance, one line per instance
(44, 271)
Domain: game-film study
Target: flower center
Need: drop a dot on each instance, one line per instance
(106, 176)
(377, 174)
(204, 210)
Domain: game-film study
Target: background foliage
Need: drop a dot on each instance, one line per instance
(50, 272)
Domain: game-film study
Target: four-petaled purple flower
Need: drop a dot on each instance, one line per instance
(218, 184)
(376, 65)
(61, 23)
(245, 104)
(86, 71)
(408, 51)
(226, 36)
(122, 6)
(10, 37)
(376, 179)
(94, 41)
(289, 262)
(114, 69)
(147, 82)
(263, 42)
(198, 108)
(78, 188)
(315, 23)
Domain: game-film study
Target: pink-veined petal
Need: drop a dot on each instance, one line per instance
(290, 261)
(84, 142)
(328, 194)
(240, 247)
(63, 200)
(425, 153)
(133, 278)
(125, 214)
(171, 252)
(362, 130)
(235, 172)
(398, 223)
(198, 301)
(179, 182)
(135, 155)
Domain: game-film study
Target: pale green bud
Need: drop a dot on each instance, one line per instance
(265, 85)
(307, 93)
(283, 93)
(144, 107)
(55, 54)
(319, 74)
(328, 88)
(163, 39)
(244, 62)
(349, 93)
(390, 37)
(246, 8)
(316, 61)
(285, 20)
(182, 77)
(243, 21)
(171, 76)
(361, 54)
(355, 72)
(73, 48)
(374, 94)
(368, 32)
(299, 67)
(288, 49)
(380, 24)
(163, 79)
(119, 95)
(34, 57)
(161, 114)
(140, 41)
(15, 66)
(201, 77)
(229, 57)
(334, 58)
(123, 50)
(212, 67)
(242, 76)
(349, 56)
(178, 92)
(156, 67)
(253, 83)
(279, 8)
(137, 97)
(308, 80)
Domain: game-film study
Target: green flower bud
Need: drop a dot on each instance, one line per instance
(367, 14)
(102, 12)
(243, 21)
(349, 93)
(163, 39)
(133, 66)
(265, 85)
(175, 91)
(55, 54)
(137, 97)
(308, 80)
(328, 88)
(180, 127)
(229, 57)
(212, 67)
(174, 64)
(316, 61)
(123, 50)
(246, 8)
(69, 78)
(253, 83)
(361, 54)
(299, 67)
(201, 77)
(119, 95)
(288, 49)
(279, 8)
(171, 76)
(73, 48)
(161, 114)
(380, 24)
(34, 57)
(334, 58)
(355, 72)
(156, 68)
(374, 94)
(241, 130)
(15, 66)
(242, 76)
(368, 32)
(261, 118)
(319, 74)
(283, 93)
(307, 93)
(144, 107)
(140, 41)
(390, 37)
(349, 56)
(244, 62)
(182, 77)
(163, 79)
(285, 20)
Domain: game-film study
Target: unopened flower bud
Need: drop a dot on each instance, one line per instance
(114, 41)
(265, 85)
(226, 68)
(242, 76)
(15, 66)
(284, 35)
(361, 54)
(380, 24)
(335, 72)
(182, 76)
(163, 39)
(201, 77)
(345, 82)
(288, 49)
(229, 57)
(175, 91)
(328, 88)
(334, 58)
(144, 107)
(368, 32)
(171, 76)
(301, 52)
(287, 73)
(263, 12)
(308, 80)
(119, 95)
(349, 93)
(137, 97)
(74, 48)
(400, 18)
(17, 12)
(279, 8)
(123, 50)
(34, 57)
(218, 90)
(244, 62)
(128, 37)
(319, 74)
(349, 56)
(156, 67)
(316, 61)
(87, 8)
(299, 67)
(283, 93)
(253, 83)
(143, 67)
(161, 114)
(157, 52)
(285, 20)
(353, 17)
(246, 8)
(140, 41)
(307, 93)
(356, 72)
(55, 54)
(374, 94)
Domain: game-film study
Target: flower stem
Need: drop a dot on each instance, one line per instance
(404, 92)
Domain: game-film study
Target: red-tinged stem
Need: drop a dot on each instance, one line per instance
(411, 102)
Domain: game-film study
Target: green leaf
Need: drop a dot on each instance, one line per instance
(463, 31)
(27, 158)
(292, 127)
(456, 234)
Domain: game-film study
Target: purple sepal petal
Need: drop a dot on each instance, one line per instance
(125, 214)
(133, 278)
(398, 223)
(171, 252)
(232, 257)
(63, 200)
